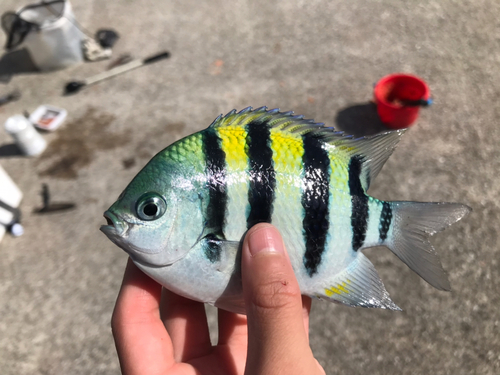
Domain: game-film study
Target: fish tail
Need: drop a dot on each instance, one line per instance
(412, 225)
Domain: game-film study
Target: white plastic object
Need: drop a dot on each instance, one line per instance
(47, 117)
(93, 51)
(17, 230)
(9, 194)
(29, 141)
(57, 45)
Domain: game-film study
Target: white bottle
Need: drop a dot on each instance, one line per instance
(29, 141)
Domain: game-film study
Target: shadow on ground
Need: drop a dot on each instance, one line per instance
(11, 149)
(15, 62)
(360, 120)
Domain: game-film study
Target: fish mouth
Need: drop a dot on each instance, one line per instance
(118, 231)
(115, 227)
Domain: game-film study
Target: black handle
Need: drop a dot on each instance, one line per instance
(16, 213)
(416, 103)
(157, 57)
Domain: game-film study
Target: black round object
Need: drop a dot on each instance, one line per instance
(73, 87)
(107, 38)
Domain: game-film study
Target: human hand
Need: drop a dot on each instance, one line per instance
(162, 333)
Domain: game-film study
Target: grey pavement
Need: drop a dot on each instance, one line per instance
(59, 281)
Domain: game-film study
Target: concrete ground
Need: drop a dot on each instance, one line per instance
(59, 281)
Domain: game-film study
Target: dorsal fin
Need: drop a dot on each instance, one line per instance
(372, 152)
(273, 117)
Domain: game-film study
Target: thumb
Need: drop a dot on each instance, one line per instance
(277, 339)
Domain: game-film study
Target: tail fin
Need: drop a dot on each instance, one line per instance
(414, 223)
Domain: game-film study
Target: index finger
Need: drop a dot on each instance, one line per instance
(142, 342)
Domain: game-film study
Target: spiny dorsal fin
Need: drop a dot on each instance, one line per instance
(274, 118)
(372, 151)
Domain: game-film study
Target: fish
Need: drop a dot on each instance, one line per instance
(183, 217)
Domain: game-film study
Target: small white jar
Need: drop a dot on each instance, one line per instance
(29, 141)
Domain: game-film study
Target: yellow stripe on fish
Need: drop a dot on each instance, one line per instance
(288, 150)
(233, 143)
(338, 289)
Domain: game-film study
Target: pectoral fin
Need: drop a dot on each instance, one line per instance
(222, 253)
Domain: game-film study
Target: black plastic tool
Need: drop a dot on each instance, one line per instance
(75, 86)
(49, 207)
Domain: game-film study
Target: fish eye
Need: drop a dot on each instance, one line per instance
(151, 206)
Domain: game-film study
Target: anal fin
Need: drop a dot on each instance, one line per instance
(358, 286)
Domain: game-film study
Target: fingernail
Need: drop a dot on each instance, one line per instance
(265, 240)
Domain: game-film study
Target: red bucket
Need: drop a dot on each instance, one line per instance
(395, 96)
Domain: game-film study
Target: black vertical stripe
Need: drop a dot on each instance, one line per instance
(385, 221)
(215, 169)
(315, 200)
(262, 173)
(359, 200)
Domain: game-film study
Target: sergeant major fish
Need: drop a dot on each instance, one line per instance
(182, 218)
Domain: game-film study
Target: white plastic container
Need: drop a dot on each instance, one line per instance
(57, 44)
(29, 141)
(9, 194)
(47, 117)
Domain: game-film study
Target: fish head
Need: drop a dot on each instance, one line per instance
(157, 218)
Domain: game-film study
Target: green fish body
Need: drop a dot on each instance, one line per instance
(182, 218)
